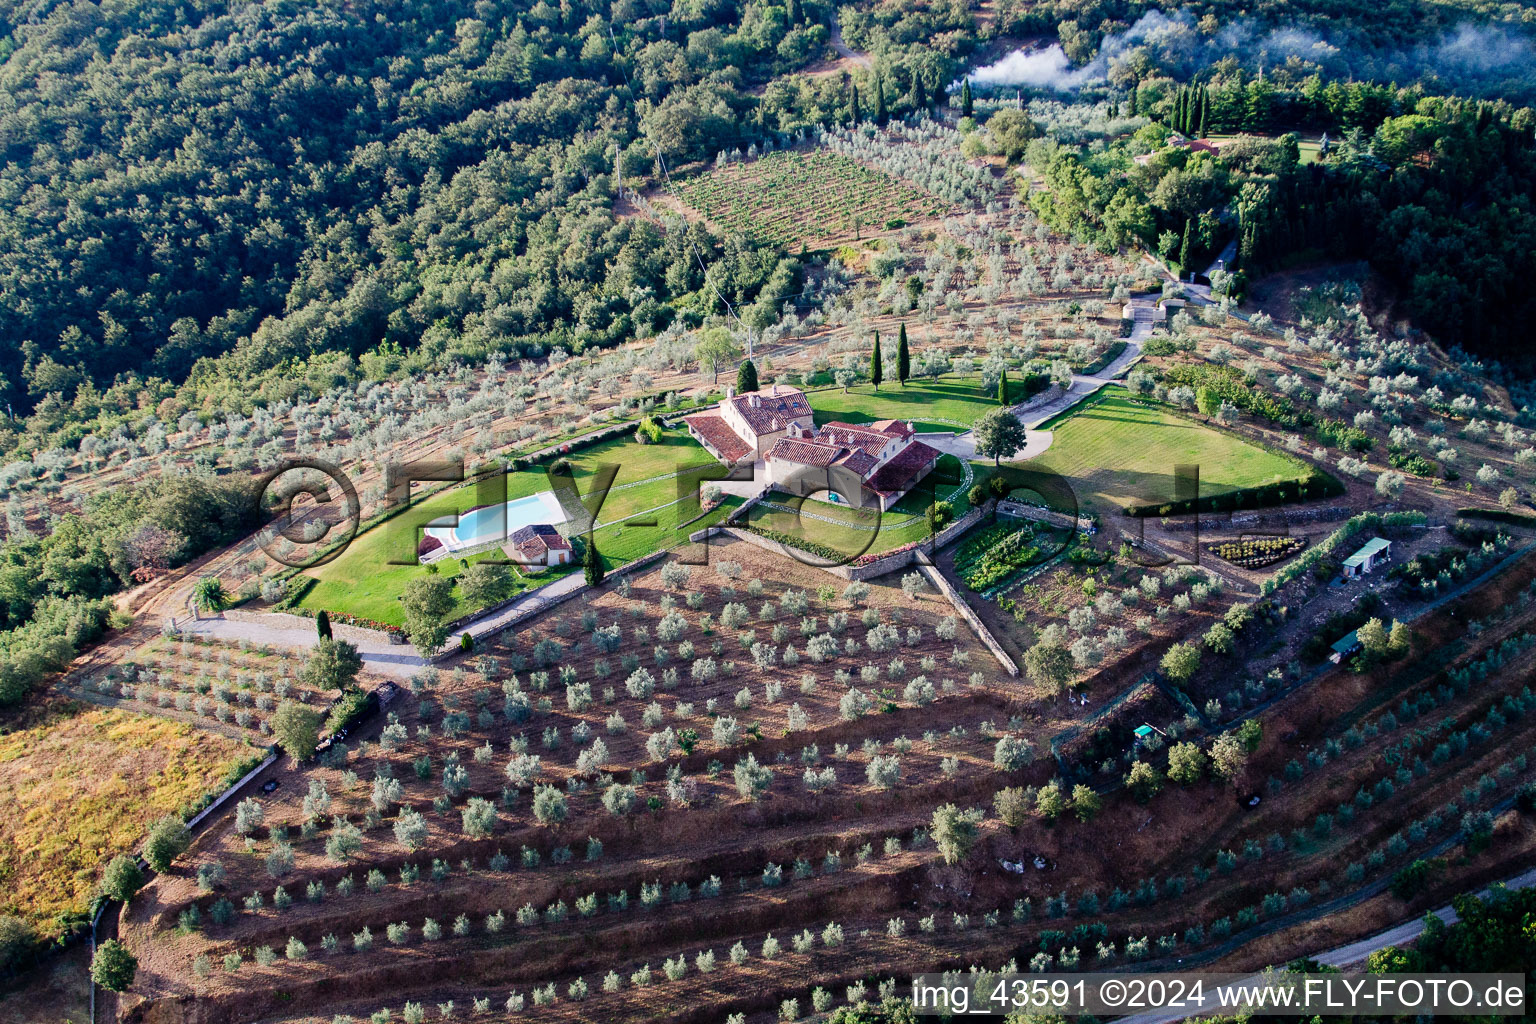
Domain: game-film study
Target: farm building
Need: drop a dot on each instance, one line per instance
(865, 466)
(1345, 646)
(744, 427)
(1367, 558)
(541, 545)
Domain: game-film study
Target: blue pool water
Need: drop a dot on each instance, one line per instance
(484, 524)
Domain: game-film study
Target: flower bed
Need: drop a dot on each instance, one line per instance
(1255, 554)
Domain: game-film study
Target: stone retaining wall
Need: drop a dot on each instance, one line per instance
(972, 619)
(869, 570)
(288, 620)
(545, 604)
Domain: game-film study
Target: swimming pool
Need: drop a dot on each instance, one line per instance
(484, 525)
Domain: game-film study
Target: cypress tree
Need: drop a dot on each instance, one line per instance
(1179, 100)
(1002, 388)
(1185, 247)
(853, 104)
(1205, 110)
(903, 360)
(1245, 247)
(967, 101)
(746, 378)
(323, 624)
(792, 12)
(1135, 98)
(918, 96)
(592, 562)
(876, 374)
(881, 114)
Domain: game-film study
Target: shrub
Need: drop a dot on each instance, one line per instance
(549, 806)
(122, 878)
(479, 817)
(1011, 754)
(410, 829)
(1180, 662)
(114, 966)
(1012, 805)
(1143, 781)
(752, 779)
(167, 838)
(883, 771)
(954, 831)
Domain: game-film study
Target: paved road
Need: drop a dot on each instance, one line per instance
(1040, 408)
(1408, 931)
(380, 657)
(1351, 954)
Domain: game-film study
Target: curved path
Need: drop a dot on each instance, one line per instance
(842, 48)
(1034, 411)
(1351, 954)
(400, 661)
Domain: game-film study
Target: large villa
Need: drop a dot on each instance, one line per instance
(868, 466)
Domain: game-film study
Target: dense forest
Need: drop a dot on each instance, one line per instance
(1438, 193)
(246, 197)
(209, 204)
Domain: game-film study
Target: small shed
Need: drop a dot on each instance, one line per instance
(1345, 646)
(1373, 553)
(540, 545)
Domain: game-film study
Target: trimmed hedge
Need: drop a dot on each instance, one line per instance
(1110, 355)
(1498, 515)
(1392, 522)
(1316, 486)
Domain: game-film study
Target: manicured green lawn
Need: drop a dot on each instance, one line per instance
(1116, 452)
(851, 532)
(363, 582)
(854, 531)
(947, 404)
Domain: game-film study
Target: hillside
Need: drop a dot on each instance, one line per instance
(703, 513)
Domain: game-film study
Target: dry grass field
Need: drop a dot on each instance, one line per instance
(79, 784)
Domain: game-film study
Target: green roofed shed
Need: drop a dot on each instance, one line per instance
(1372, 553)
(1345, 646)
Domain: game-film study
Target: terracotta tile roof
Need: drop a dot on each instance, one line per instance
(898, 473)
(806, 453)
(850, 436)
(767, 412)
(719, 436)
(860, 462)
(539, 537)
(896, 428)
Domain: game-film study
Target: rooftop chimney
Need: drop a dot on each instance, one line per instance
(730, 392)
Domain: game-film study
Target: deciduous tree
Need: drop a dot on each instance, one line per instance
(998, 433)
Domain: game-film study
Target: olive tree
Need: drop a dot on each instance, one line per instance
(122, 878)
(114, 966)
(954, 831)
(166, 841)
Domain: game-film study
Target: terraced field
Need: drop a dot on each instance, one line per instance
(817, 198)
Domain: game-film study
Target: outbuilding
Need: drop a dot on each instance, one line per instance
(1372, 554)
